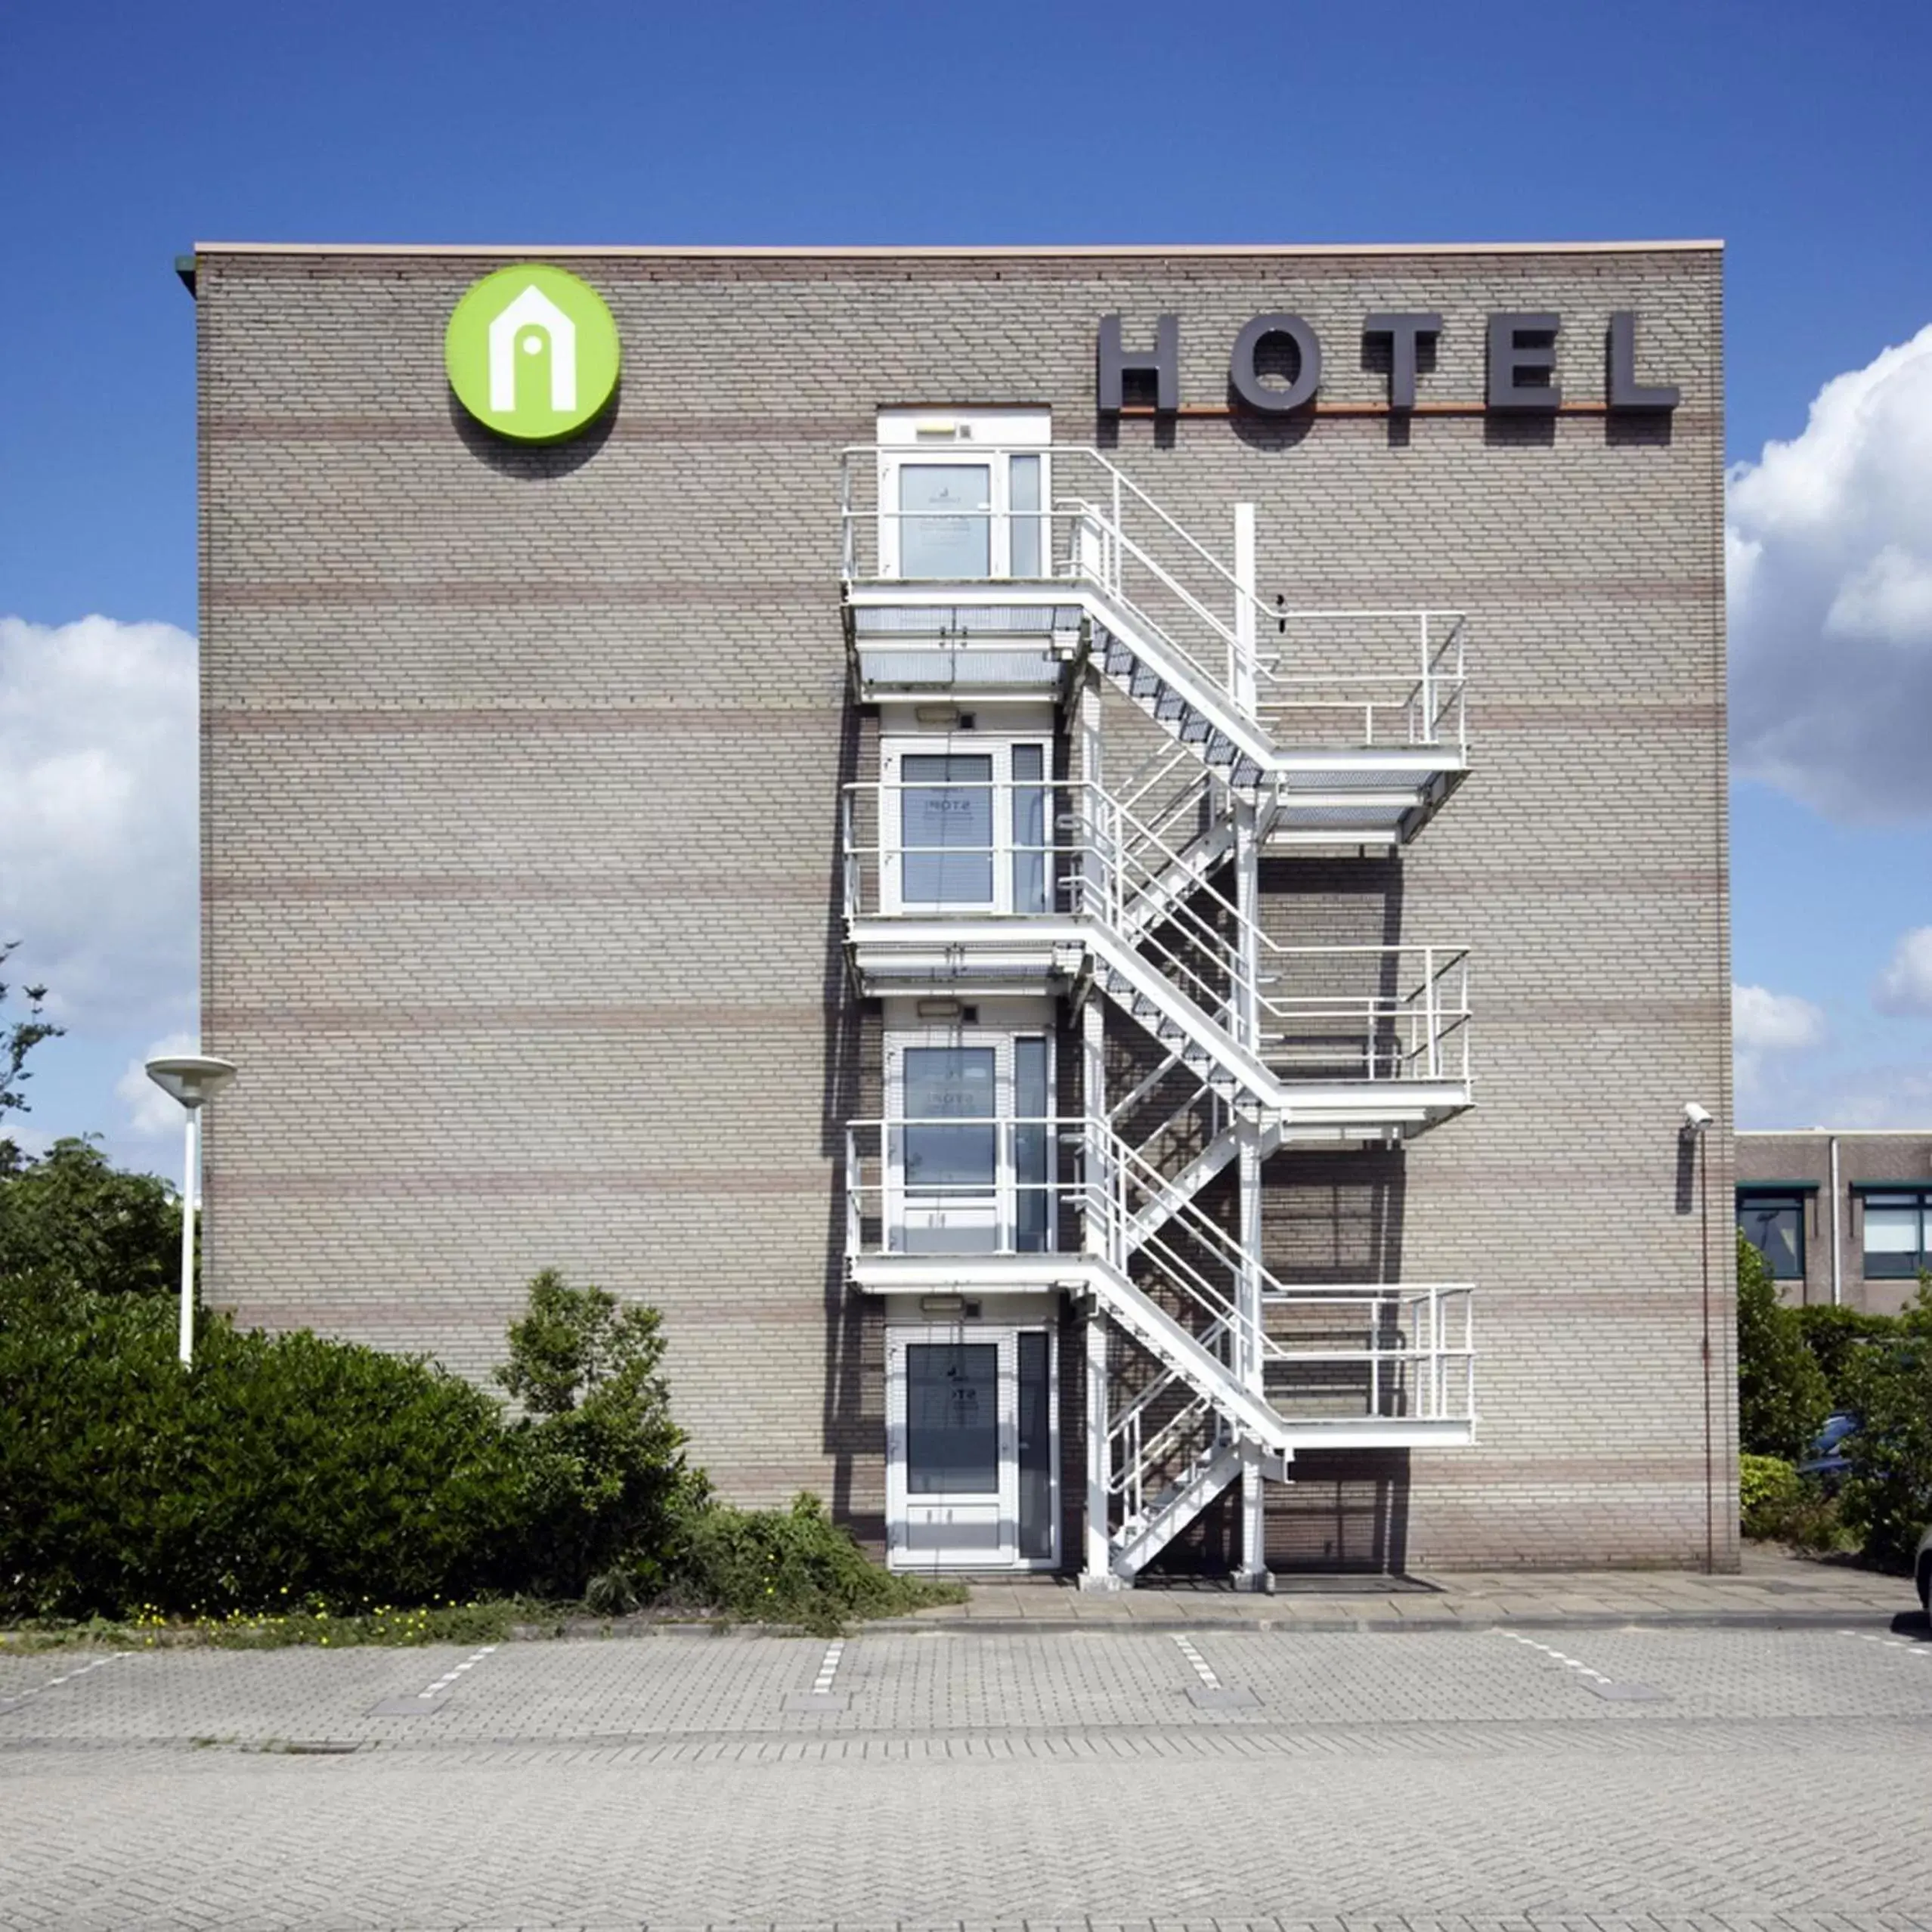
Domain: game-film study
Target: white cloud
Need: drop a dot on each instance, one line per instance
(152, 1115)
(1766, 1022)
(1766, 1028)
(98, 744)
(1828, 540)
(1905, 985)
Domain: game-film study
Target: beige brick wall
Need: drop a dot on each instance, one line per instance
(521, 769)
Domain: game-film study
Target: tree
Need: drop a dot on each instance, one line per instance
(1782, 1397)
(72, 1217)
(18, 1038)
(605, 1460)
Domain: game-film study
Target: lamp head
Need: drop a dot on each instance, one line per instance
(190, 1077)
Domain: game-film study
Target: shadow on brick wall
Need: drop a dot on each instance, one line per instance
(535, 462)
(851, 1430)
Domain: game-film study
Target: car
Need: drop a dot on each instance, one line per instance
(1826, 1461)
(1922, 1568)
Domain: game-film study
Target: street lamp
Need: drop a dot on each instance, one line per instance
(191, 1078)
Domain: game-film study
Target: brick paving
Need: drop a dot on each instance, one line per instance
(1771, 1588)
(1474, 1779)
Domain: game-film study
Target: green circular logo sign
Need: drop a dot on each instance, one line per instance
(532, 353)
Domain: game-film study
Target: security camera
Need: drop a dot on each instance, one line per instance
(1696, 1117)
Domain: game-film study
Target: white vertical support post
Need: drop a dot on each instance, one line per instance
(187, 1239)
(1432, 1011)
(1248, 1360)
(1242, 688)
(1097, 1568)
(1096, 1571)
(1428, 700)
(1241, 681)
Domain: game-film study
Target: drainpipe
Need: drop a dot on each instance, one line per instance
(1837, 1249)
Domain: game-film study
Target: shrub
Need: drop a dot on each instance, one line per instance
(1836, 1337)
(1887, 1496)
(1782, 1398)
(794, 1566)
(278, 1471)
(602, 1462)
(1775, 1502)
(1766, 1484)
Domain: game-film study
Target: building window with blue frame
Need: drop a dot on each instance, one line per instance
(1898, 1233)
(1772, 1219)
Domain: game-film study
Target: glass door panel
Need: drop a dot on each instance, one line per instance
(945, 829)
(945, 520)
(1032, 1200)
(952, 1418)
(948, 1149)
(1033, 1452)
(1029, 842)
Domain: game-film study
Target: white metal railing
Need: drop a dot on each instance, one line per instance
(1414, 1357)
(891, 1207)
(1138, 1461)
(1399, 676)
(1380, 1013)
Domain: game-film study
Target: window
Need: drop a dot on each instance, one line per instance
(1898, 1234)
(1773, 1221)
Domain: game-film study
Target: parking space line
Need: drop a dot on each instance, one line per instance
(822, 1697)
(424, 1700)
(1917, 1649)
(1186, 1646)
(1591, 1679)
(1211, 1694)
(13, 1703)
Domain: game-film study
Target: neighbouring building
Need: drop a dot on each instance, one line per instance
(1844, 1217)
(1103, 870)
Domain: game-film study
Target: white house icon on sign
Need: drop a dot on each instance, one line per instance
(533, 311)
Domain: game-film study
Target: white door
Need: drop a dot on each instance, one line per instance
(963, 826)
(962, 512)
(972, 1479)
(969, 1142)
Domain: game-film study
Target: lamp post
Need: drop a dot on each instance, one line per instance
(191, 1078)
(1697, 1123)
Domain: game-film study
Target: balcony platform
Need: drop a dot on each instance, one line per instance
(1005, 641)
(968, 1274)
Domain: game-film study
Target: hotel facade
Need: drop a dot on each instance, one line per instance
(1103, 871)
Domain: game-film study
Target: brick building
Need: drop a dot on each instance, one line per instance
(1103, 871)
(1843, 1216)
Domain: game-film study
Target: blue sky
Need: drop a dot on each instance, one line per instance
(1796, 134)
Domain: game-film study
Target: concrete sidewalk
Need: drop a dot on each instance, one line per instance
(1773, 1590)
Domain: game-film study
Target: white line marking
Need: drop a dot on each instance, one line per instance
(1889, 1642)
(1516, 1637)
(449, 1678)
(1186, 1646)
(66, 1677)
(822, 1684)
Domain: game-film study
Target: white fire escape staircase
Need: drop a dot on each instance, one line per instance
(1309, 729)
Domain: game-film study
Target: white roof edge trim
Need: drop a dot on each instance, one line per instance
(1142, 251)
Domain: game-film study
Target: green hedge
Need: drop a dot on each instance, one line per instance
(1887, 1496)
(280, 1469)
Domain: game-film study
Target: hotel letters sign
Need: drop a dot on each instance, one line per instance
(1520, 347)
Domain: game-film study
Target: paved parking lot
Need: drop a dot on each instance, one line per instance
(1659, 1777)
